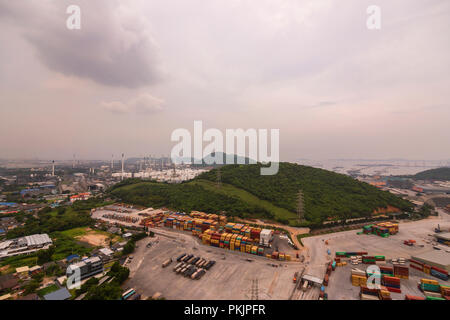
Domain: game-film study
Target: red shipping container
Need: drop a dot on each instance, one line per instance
(417, 268)
(391, 279)
(410, 297)
(416, 262)
(440, 270)
(394, 290)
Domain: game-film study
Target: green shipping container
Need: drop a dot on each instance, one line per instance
(434, 298)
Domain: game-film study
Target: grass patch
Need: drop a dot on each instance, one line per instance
(66, 245)
(247, 197)
(19, 261)
(75, 232)
(51, 288)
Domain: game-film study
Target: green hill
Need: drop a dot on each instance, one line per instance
(441, 174)
(245, 193)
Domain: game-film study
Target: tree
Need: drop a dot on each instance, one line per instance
(45, 255)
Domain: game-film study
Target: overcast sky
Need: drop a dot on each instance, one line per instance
(139, 69)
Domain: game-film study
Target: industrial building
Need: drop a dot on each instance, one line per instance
(88, 267)
(443, 238)
(265, 237)
(435, 258)
(24, 245)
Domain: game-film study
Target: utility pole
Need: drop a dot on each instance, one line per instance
(122, 165)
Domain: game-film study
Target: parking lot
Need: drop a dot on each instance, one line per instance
(235, 275)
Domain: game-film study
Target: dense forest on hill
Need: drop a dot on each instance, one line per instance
(186, 197)
(325, 193)
(442, 174)
(248, 194)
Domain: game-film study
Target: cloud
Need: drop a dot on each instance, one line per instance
(114, 46)
(143, 104)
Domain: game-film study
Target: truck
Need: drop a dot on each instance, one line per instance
(198, 274)
(181, 257)
(305, 285)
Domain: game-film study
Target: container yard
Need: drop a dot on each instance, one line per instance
(360, 250)
(397, 281)
(213, 231)
(232, 276)
(118, 214)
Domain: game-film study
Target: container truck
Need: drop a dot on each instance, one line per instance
(181, 257)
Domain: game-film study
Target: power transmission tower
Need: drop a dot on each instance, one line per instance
(300, 209)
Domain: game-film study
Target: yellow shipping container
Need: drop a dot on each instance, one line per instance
(288, 257)
(428, 281)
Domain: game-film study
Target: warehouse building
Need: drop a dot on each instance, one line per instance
(88, 267)
(443, 238)
(24, 245)
(436, 258)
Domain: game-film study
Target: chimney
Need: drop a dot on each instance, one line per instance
(122, 165)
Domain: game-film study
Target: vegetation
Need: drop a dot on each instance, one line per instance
(44, 256)
(187, 197)
(131, 244)
(426, 210)
(59, 219)
(441, 174)
(108, 290)
(326, 194)
(49, 289)
(245, 193)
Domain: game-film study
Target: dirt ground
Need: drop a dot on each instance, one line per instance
(94, 239)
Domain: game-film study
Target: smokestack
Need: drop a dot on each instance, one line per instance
(122, 165)
(53, 168)
(112, 162)
(73, 162)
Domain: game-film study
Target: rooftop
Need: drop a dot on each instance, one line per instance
(436, 256)
(61, 294)
(444, 236)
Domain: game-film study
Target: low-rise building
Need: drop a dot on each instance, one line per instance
(8, 282)
(443, 238)
(87, 268)
(265, 237)
(24, 245)
(61, 294)
(80, 197)
(106, 254)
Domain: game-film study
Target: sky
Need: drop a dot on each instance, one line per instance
(139, 69)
